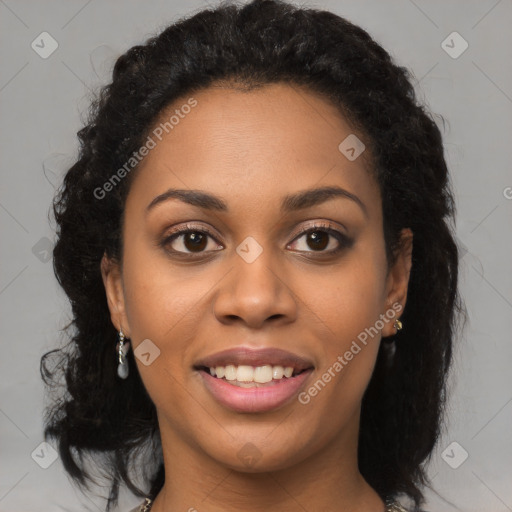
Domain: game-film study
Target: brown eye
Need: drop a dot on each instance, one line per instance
(319, 238)
(195, 241)
(189, 241)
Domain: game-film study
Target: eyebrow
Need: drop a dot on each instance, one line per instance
(290, 203)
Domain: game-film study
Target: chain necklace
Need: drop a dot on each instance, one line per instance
(391, 506)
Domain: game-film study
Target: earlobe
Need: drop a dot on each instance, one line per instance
(398, 280)
(112, 281)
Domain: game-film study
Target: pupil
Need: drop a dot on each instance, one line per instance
(317, 239)
(197, 239)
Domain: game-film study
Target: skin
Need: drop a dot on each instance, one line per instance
(252, 149)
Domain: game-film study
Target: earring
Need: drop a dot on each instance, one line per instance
(122, 348)
(397, 325)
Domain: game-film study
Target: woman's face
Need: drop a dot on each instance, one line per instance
(247, 276)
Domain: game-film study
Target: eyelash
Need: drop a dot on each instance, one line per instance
(344, 241)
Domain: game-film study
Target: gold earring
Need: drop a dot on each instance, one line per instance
(397, 325)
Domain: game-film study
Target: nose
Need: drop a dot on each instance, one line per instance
(255, 292)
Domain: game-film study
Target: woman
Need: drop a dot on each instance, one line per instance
(260, 218)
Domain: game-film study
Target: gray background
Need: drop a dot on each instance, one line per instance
(42, 101)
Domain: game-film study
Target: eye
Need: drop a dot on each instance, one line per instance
(319, 237)
(194, 240)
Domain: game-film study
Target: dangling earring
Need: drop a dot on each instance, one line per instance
(122, 348)
(397, 325)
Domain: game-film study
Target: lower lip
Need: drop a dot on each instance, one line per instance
(259, 399)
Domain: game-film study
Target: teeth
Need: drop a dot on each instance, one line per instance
(230, 372)
(245, 373)
(263, 374)
(277, 372)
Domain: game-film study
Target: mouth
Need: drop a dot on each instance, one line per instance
(248, 381)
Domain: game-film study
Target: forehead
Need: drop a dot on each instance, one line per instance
(252, 145)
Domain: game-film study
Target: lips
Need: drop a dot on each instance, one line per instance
(270, 397)
(253, 397)
(255, 357)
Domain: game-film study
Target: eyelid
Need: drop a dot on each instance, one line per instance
(188, 227)
(317, 224)
(191, 227)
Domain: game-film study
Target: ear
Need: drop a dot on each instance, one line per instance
(398, 280)
(112, 280)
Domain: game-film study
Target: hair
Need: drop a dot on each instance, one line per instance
(252, 45)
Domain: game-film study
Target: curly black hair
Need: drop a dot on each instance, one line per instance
(249, 46)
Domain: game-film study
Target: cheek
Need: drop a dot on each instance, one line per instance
(155, 296)
(161, 306)
(165, 309)
(349, 304)
(348, 299)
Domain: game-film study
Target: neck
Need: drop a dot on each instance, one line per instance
(328, 480)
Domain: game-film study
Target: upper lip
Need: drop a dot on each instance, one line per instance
(255, 357)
